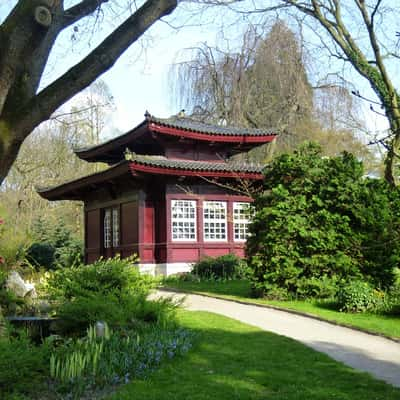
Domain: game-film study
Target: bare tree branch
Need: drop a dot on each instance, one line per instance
(91, 67)
(81, 10)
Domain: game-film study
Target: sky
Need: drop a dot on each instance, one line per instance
(139, 81)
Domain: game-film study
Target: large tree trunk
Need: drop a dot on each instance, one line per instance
(9, 148)
(26, 38)
(392, 159)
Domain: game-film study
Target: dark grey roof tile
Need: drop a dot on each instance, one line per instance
(191, 124)
(160, 161)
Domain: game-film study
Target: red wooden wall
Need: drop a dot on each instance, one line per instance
(93, 235)
(145, 225)
(129, 233)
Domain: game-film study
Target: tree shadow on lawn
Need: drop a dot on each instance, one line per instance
(358, 358)
(232, 360)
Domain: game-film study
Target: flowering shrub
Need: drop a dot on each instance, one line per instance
(359, 296)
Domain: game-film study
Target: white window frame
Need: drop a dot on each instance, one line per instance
(115, 226)
(107, 228)
(212, 223)
(186, 222)
(111, 226)
(239, 222)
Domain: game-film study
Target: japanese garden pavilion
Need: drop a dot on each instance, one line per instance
(172, 193)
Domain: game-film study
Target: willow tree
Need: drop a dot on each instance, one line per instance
(362, 46)
(362, 34)
(28, 35)
(261, 85)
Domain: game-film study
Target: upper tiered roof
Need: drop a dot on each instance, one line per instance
(150, 135)
(186, 126)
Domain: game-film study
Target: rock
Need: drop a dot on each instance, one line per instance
(18, 286)
(31, 291)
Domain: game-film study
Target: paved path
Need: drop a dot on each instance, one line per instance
(376, 355)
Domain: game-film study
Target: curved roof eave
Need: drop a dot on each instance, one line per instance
(178, 127)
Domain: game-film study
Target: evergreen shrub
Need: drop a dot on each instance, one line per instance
(41, 254)
(111, 290)
(320, 222)
(54, 246)
(393, 299)
(228, 266)
(105, 276)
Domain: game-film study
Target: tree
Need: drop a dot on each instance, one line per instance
(27, 37)
(262, 85)
(340, 126)
(77, 126)
(361, 33)
(265, 84)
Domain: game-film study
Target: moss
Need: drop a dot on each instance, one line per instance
(5, 137)
(373, 75)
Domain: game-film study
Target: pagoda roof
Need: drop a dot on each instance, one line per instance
(72, 189)
(136, 165)
(142, 138)
(166, 166)
(228, 133)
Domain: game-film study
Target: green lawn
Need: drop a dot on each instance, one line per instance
(231, 360)
(240, 290)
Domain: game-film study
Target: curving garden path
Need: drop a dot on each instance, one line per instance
(374, 354)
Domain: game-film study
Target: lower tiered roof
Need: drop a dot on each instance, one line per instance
(136, 166)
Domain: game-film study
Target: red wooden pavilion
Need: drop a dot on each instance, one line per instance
(171, 193)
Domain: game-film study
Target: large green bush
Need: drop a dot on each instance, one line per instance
(319, 219)
(109, 290)
(103, 277)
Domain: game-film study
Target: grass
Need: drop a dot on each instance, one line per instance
(388, 325)
(231, 360)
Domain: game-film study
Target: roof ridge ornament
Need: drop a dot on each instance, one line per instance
(129, 155)
(147, 115)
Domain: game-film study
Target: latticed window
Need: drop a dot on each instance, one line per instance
(241, 219)
(183, 220)
(115, 227)
(111, 227)
(214, 221)
(107, 228)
